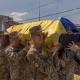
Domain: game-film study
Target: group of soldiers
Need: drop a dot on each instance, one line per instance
(31, 62)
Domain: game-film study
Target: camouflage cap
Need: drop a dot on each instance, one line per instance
(35, 30)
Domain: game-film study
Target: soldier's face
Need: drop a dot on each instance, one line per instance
(14, 40)
(38, 39)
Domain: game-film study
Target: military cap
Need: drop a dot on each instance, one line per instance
(35, 30)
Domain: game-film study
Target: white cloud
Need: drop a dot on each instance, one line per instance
(18, 16)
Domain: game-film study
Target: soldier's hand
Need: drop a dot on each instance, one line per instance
(26, 48)
(73, 47)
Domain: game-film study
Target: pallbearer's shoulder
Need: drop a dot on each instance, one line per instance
(32, 48)
(8, 49)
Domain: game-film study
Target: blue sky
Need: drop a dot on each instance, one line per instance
(25, 9)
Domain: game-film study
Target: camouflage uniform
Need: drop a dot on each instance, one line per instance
(35, 58)
(51, 68)
(4, 67)
(77, 68)
(61, 66)
(78, 54)
(65, 65)
(58, 67)
(77, 63)
(17, 62)
(28, 71)
(43, 66)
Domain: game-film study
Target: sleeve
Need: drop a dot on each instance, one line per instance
(8, 51)
(78, 54)
(33, 57)
(36, 60)
(22, 53)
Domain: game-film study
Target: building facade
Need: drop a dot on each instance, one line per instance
(6, 22)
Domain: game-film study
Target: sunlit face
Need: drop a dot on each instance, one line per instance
(37, 39)
(14, 40)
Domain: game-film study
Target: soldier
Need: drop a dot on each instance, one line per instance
(4, 67)
(53, 63)
(64, 61)
(17, 58)
(35, 54)
(76, 49)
